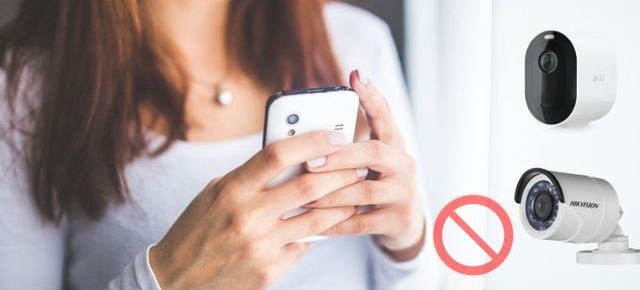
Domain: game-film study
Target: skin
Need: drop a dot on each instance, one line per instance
(232, 236)
(397, 218)
(196, 29)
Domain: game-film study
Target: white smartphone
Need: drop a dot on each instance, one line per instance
(295, 112)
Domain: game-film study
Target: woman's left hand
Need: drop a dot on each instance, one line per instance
(397, 218)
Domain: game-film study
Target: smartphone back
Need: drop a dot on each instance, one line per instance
(333, 108)
(296, 112)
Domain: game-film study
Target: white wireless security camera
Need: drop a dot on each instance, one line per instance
(577, 209)
(569, 80)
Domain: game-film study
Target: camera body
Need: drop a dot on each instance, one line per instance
(567, 207)
(577, 209)
(569, 79)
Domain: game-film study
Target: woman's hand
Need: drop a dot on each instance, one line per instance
(397, 218)
(232, 236)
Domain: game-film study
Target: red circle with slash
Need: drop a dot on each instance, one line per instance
(496, 258)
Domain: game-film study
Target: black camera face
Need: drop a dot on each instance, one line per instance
(542, 205)
(550, 77)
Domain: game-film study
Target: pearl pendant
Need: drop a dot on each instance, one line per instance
(224, 97)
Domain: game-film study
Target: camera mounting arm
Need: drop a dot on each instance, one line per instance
(612, 251)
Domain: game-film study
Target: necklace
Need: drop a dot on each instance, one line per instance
(222, 96)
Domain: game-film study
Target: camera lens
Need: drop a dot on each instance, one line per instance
(548, 61)
(293, 119)
(542, 205)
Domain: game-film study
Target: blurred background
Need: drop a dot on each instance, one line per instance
(391, 11)
(464, 64)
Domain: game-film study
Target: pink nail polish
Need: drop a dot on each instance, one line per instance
(362, 78)
(362, 172)
(317, 162)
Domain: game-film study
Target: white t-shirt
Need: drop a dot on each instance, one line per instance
(113, 251)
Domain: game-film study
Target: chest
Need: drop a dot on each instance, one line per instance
(161, 188)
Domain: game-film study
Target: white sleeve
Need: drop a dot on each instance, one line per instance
(389, 274)
(32, 251)
(385, 73)
(137, 275)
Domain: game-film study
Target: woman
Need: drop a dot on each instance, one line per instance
(118, 113)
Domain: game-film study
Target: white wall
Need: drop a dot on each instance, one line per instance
(465, 64)
(608, 148)
(449, 67)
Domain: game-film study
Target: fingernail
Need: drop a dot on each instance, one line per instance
(336, 138)
(362, 78)
(362, 172)
(317, 162)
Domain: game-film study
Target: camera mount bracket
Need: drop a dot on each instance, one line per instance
(612, 251)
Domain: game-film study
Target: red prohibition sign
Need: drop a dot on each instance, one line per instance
(496, 258)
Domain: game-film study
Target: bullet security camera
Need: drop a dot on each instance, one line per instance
(569, 80)
(577, 209)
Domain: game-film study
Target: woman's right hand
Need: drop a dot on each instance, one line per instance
(232, 236)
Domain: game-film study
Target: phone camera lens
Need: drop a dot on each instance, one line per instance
(293, 119)
(548, 61)
(291, 132)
